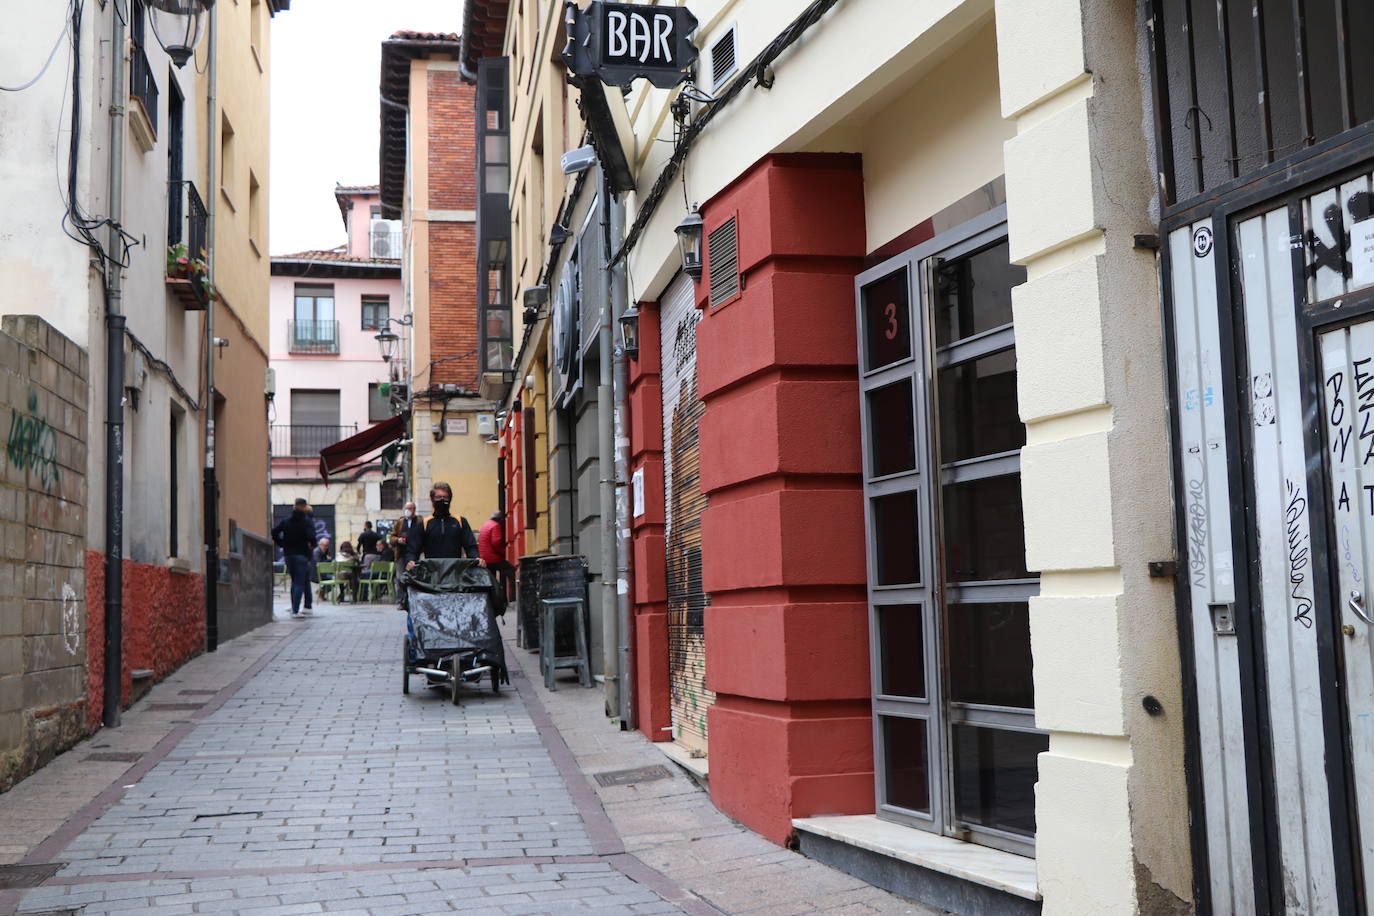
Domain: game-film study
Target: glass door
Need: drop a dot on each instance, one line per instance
(954, 726)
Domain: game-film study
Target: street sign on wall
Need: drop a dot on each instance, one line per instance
(620, 42)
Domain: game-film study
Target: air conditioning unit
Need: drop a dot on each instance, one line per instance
(382, 245)
(486, 424)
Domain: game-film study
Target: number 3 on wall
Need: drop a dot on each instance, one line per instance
(890, 310)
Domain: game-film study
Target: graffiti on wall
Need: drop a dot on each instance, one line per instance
(32, 443)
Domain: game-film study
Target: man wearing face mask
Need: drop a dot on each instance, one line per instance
(408, 530)
(445, 536)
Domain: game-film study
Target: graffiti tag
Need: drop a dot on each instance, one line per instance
(32, 444)
(71, 619)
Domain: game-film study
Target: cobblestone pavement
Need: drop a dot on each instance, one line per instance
(308, 783)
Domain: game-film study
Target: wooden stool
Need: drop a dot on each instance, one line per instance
(549, 660)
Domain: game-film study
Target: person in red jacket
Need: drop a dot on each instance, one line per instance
(491, 547)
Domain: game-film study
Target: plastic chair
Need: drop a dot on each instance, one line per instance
(377, 582)
(329, 588)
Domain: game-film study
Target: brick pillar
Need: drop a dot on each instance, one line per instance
(649, 584)
(783, 535)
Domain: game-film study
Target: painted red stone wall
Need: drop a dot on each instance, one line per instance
(783, 536)
(164, 624)
(648, 581)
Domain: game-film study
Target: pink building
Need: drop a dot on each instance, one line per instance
(329, 376)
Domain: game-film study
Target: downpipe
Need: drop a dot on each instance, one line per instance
(605, 396)
(114, 396)
(618, 305)
(209, 485)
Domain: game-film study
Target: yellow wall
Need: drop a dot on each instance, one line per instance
(241, 268)
(936, 143)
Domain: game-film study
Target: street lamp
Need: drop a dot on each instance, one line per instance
(689, 242)
(176, 23)
(387, 340)
(629, 331)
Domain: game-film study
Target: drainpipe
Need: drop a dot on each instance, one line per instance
(114, 395)
(605, 415)
(622, 472)
(210, 489)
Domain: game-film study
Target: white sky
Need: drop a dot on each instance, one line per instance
(326, 66)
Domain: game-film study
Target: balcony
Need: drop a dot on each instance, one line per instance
(297, 441)
(143, 88)
(186, 218)
(312, 337)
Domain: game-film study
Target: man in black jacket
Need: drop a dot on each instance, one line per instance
(295, 535)
(444, 535)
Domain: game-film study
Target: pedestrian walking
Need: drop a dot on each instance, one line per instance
(491, 547)
(443, 536)
(408, 529)
(295, 535)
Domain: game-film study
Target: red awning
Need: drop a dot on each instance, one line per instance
(343, 454)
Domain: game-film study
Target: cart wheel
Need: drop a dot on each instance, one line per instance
(456, 685)
(405, 664)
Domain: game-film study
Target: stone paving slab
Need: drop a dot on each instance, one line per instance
(308, 783)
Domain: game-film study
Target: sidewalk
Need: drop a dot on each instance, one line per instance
(287, 773)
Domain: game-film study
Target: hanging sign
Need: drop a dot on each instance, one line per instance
(620, 42)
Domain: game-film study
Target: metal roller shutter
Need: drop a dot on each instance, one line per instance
(682, 411)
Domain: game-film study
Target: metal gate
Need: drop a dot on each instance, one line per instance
(682, 411)
(1272, 307)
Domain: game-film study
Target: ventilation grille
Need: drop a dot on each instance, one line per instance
(722, 261)
(723, 58)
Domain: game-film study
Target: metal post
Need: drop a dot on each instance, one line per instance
(210, 491)
(618, 305)
(605, 415)
(114, 391)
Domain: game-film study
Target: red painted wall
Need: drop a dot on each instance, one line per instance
(649, 574)
(164, 625)
(783, 536)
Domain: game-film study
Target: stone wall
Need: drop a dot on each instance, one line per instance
(43, 397)
(245, 601)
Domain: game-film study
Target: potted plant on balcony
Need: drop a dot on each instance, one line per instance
(189, 277)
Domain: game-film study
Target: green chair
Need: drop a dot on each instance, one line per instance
(330, 589)
(376, 584)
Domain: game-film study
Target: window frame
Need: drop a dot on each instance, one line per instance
(935, 594)
(373, 300)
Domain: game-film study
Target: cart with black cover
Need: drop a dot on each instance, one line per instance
(451, 633)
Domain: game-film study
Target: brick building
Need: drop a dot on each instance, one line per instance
(428, 166)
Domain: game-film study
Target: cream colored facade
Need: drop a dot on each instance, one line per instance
(240, 265)
(942, 98)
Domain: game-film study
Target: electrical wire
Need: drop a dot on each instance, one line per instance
(758, 70)
(46, 64)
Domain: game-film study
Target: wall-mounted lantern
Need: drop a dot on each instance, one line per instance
(629, 331)
(387, 342)
(689, 242)
(177, 25)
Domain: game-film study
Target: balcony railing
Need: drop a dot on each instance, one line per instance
(312, 336)
(143, 86)
(298, 441)
(186, 218)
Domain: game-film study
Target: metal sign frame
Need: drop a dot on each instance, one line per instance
(620, 42)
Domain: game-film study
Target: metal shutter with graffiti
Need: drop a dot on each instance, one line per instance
(682, 411)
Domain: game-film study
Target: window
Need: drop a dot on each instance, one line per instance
(173, 482)
(142, 85)
(313, 328)
(176, 146)
(954, 700)
(255, 17)
(378, 404)
(393, 493)
(254, 213)
(226, 159)
(376, 310)
(314, 421)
